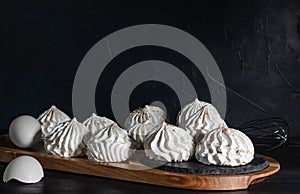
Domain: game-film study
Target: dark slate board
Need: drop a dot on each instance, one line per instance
(195, 167)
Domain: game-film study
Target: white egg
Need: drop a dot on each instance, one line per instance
(25, 131)
(25, 169)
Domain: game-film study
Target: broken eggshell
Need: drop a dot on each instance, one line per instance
(25, 169)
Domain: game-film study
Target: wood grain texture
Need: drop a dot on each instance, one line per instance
(133, 171)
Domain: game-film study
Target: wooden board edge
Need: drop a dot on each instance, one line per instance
(150, 176)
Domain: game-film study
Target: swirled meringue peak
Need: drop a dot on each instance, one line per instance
(139, 131)
(169, 143)
(94, 124)
(154, 114)
(189, 109)
(110, 144)
(225, 147)
(199, 118)
(50, 119)
(66, 139)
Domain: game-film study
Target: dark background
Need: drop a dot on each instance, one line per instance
(256, 44)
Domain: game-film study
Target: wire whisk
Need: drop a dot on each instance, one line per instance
(268, 133)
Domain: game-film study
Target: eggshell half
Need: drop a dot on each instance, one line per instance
(25, 169)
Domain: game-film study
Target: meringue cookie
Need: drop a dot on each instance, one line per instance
(169, 143)
(139, 131)
(199, 118)
(110, 144)
(95, 123)
(66, 139)
(189, 109)
(50, 119)
(225, 147)
(154, 114)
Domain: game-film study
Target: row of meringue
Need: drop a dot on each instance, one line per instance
(105, 141)
(197, 118)
(100, 138)
(214, 142)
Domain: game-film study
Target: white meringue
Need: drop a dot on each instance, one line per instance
(66, 139)
(199, 118)
(154, 114)
(189, 109)
(50, 119)
(225, 147)
(110, 144)
(139, 131)
(169, 143)
(94, 124)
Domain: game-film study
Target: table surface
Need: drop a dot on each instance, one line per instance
(287, 180)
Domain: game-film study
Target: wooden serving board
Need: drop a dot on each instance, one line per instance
(136, 172)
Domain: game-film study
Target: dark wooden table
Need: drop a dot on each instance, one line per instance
(287, 180)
